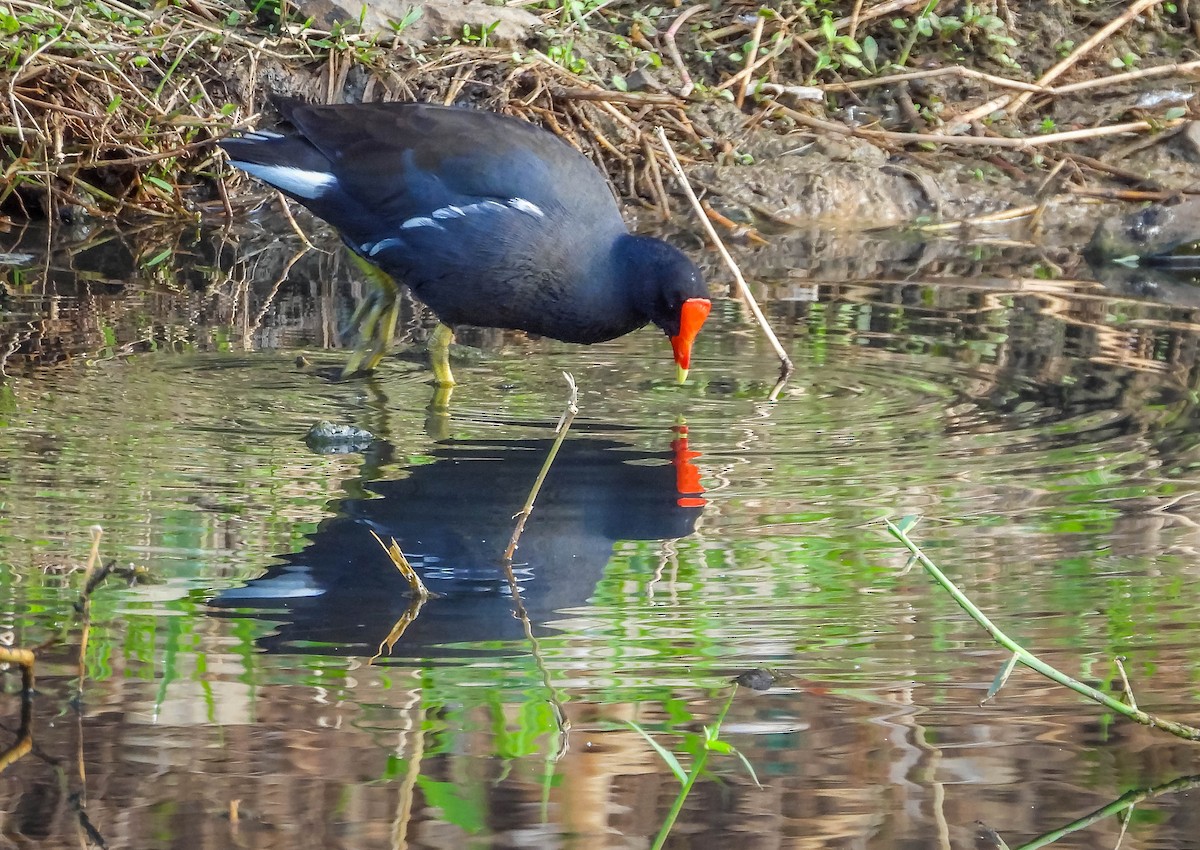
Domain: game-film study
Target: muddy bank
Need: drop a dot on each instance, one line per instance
(860, 115)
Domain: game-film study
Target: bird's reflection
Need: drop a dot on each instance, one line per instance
(453, 517)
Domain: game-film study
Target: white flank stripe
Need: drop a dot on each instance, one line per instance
(371, 249)
(421, 221)
(449, 212)
(527, 207)
(297, 181)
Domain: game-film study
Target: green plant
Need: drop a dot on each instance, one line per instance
(564, 55)
(410, 18)
(972, 23)
(709, 742)
(837, 51)
(480, 36)
(1125, 61)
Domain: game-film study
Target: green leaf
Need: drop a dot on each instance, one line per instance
(666, 755)
(1174, 112)
(749, 767)
(157, 258)
(159, 182)
(907, 523)
(828, 30)
(409, 19)
(467, 815)
(618, 83)
(870, 49)
(1001, 678)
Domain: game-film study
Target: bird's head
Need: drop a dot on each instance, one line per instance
(678, 297)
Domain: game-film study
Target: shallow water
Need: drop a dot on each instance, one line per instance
(1043, 423)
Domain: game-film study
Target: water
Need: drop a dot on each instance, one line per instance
(1043, 424)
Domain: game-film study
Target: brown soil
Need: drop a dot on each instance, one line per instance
(850, 159)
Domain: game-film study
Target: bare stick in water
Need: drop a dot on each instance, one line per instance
(564, 425)
(785, 362)
(420, 594)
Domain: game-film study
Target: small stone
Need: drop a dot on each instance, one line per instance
(328, 438)
(1191, 135)
(642, 80)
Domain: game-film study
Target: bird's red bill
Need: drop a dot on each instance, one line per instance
(691, 319)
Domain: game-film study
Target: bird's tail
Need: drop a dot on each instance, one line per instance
(289, 163)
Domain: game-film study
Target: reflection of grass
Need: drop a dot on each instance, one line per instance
(709, 742)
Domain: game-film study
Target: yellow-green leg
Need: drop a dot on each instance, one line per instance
(439, 355)
(374, 321)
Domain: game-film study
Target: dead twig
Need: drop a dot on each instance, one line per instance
(630, 98)
(786, 367)
(560, 434)
(751, 56)
(1020, 143)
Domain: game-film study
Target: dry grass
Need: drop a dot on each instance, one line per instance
(104, 111)
(110, 108)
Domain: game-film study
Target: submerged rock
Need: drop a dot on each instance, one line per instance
(328, 438)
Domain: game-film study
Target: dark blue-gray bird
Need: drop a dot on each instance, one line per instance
(490, 221)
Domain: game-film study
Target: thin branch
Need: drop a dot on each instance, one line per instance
(627, 97)
(751, 56)
(1127, 76)
(949, 70)
(1022, 143)
(560, 430)
(673, 49)
(1121, 804)
(1030, 660)
(1125, 681)
(785, 362)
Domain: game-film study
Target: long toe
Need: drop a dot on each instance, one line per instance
(374, 324)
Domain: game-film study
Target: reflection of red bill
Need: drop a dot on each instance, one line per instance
(687, 474)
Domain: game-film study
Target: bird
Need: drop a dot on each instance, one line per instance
(490, 220)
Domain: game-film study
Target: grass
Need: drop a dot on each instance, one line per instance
(1020, 655)
(708, 743)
